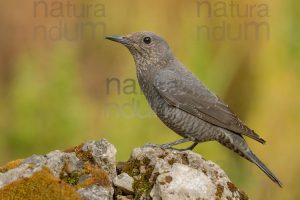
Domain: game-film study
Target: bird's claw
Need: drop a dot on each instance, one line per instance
(170, 146)
(162, 146)
(165, 146)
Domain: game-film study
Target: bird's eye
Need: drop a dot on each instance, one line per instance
(147, 40)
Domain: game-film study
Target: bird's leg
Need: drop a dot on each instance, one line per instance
(180, 141)
(189, 148)
(183, 140)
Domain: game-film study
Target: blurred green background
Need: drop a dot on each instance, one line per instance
(55, 69)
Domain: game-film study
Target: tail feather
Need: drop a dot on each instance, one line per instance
(238, 144)
(252, 157)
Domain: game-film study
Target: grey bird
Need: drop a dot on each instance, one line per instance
(183, 102)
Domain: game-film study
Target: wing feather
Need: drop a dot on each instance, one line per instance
(189, 94)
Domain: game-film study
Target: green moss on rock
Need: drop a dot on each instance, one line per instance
(142, 183)
(94, 175)
(72, 178)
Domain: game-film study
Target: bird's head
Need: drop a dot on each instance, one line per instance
(146, 47)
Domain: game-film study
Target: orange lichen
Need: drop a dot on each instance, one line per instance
(232, 187)
(96, 176)
(40, 186)
(10, 165)
(82, 155)
(219, 192)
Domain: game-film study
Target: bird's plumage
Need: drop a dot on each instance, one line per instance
(186, 92)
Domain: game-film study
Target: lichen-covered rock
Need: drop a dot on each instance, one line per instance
(89, 172)
(41, 185)
(171, 174)
(104, 154)
(121, 197)
(95, 192)
(183, 182)
(124, 182)
(83, 172)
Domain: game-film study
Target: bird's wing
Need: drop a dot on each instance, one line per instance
(186, 92)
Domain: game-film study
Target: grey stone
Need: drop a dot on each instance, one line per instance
(183, 182)
(95, 192)
(63, 164)
(121, 197)
(124, 181)
(183, 175)
(150, 173)
(104, 155)
(56, 160)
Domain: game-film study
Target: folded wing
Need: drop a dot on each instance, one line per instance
(187, 93)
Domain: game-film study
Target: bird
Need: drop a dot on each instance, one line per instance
(183, 103)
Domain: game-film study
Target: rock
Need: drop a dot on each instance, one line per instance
(86, 170)
(171, 174)
(95, 192)
(124, 182)
(128, 197)
(104, 154)
(183, 182)
(89, 172)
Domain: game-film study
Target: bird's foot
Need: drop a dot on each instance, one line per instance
(151, 145)
(163, 146)
(169, 146)
(166, 146)
(189, 147)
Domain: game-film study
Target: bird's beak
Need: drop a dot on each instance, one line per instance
(119, 39)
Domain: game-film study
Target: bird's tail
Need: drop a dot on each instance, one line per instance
(252, 157)
(238, 144)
